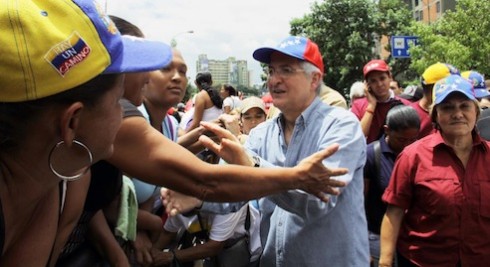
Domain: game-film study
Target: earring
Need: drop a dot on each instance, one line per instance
(76, 176)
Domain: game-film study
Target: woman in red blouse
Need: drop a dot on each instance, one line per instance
(439, 193)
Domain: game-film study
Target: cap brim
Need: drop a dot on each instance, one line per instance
(376, 69)
(140, 55)
(448, 92)
(264, 54)
(481, 93)
(251, 107)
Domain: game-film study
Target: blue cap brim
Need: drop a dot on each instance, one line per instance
(140, 55)
(448, 92)
(481, 93)
(264, 54)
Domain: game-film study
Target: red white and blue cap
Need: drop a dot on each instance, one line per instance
(478, 81)
(452, 84)
(298, 47)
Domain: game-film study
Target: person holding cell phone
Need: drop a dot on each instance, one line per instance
(372, 109)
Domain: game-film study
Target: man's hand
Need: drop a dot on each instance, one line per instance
(371, 98)
(316, 177)
(230, 123)
(142, 249)
(161, 258)
(228, 148)
(176, 203)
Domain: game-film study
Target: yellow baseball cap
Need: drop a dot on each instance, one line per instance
(50, 46)
(438, 71)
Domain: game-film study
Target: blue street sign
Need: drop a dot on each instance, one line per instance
(401, 44)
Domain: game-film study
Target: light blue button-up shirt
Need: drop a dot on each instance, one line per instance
(297, 229)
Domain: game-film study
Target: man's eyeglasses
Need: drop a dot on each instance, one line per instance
(282, 72)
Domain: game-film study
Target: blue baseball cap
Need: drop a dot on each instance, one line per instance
(478, 81)
(451, 84)
(295, 46)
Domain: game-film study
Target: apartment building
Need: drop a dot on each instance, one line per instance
(428, 11)
(230, 70)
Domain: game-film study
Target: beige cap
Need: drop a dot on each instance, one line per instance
(252, 102)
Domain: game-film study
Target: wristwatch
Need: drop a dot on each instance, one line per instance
(256, 161)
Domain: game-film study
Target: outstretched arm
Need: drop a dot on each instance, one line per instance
(141, 151)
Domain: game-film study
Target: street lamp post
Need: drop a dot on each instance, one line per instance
(173, 42)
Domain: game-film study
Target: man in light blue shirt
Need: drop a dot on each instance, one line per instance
(297, 228)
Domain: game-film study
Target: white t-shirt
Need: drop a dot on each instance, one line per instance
(232, 102)
(223, 227)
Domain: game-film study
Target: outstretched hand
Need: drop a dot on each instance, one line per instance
(316, 177)
(177, 203)
(228, 147)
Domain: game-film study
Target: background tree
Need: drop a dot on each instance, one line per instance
(459, 38)
(248, 91)
(190, 91)
(347, 31)
(395, 19)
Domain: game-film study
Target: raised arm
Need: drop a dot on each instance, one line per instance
(368, 116)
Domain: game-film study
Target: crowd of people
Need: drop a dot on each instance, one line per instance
(392, 176)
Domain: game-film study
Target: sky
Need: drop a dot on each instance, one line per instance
(222, 28)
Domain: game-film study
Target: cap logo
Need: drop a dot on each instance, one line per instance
(372, 66)
(68, 53)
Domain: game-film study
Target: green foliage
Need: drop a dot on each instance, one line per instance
(247, 91)
(346, 32)
(459, 38)
(190, 91)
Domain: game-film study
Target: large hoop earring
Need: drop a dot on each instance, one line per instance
(76, 176)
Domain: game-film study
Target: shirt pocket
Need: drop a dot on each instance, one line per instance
(436, 195)
(482, 202)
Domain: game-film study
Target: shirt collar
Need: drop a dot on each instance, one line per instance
(392, 96)
(307, 115)
(437, 140)
(385, 148)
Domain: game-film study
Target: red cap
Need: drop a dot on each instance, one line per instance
(375, 65)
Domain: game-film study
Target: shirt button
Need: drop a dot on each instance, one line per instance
(280, 224)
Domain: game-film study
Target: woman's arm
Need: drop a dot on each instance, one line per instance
(199, 107)
(105, 242)
(76, 192)
(390, 227)
(141, 151)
